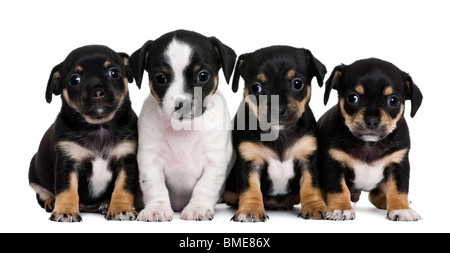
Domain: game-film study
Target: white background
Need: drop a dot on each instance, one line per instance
(37, 35)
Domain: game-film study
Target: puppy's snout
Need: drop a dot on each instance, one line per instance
(182, 102)
(372, 122)
(98, 94)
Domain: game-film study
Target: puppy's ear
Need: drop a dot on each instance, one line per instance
(227, 57)
(316, 67)
(54, 84)
(412, 93)
(333, 81)
(126, 62)
(138, 61)
(238, 70)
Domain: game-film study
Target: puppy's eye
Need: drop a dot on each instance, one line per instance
(353, 98)
(203, 76)
(114, 73)
(256, 88)
(160, 79)
(75, 79)
(393, 101)
(297, 84)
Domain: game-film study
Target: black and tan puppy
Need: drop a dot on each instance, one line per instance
(364, 139)
(87, 158)
(275, 135)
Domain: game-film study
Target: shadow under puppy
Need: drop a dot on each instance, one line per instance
(274, 135)
(184, 126)
(364, 139)
(87, 158)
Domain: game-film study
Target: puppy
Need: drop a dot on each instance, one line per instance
(184, 126)
(364, 139)
(86, 160)
(276, 162)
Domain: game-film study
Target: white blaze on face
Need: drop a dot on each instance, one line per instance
(178, 56)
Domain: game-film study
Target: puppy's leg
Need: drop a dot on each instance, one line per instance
(67, 200)
(206, 192)
(251, 205)
(339, 203)
(397, 203)
(312, 202)
(122, 200)
(154, 191)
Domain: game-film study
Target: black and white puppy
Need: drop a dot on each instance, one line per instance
(276, 162)
(364, 139)
(87, 158)
(184, 133)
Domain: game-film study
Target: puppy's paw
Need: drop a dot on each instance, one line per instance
(156, 213)
(403, 215)
(65, 216)
(254, 215)
(341, 215)
(313, 211)
(121, 214)
(192, 212)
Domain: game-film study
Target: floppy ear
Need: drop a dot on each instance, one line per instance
(412, 93)
(138, 61)
(316, 67)
(333, 81)
(227, 57)
(54, 84)
(237, 71)
(126, 62)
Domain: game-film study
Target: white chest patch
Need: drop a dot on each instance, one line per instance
(280, 173)
(367, 176)
(101, 176)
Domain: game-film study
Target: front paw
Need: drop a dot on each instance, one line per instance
(313, 211)
(192, 212)
(66, 216)
(341, 215)
(156, 213)
(403, 215)
(121, 214)
(251, 215)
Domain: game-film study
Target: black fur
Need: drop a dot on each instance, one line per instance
(96, 114)
(274, 63)
(374, 76)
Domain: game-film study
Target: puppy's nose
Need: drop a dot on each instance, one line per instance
(178, 106)
(372, 122)
(98, 94)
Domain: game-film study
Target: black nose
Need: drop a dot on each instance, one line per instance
(372, 122)
(282, 111)
(178, 106)
(98, 94)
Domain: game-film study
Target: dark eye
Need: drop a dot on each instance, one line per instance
(393, 101)
(160, 79)
(203, 76)
(75, 79)
(256, 88)
(353, 98)
(114, 73)
(297, 84)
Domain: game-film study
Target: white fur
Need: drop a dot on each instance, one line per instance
(178, 55)
(280, 173)
(404, 215)
(101, 176)
(182, 169)
(368, 176)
